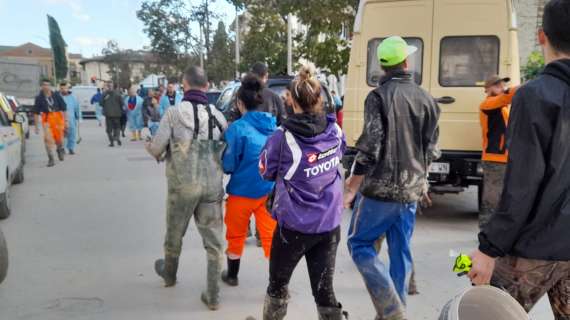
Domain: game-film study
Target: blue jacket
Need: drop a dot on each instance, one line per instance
(164, 103)
(245, 139)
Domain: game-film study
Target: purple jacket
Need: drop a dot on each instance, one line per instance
(309, 186)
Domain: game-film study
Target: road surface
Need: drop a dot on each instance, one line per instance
(83, 237)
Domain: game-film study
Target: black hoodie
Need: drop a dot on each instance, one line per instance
(533, 219)
(306, 125)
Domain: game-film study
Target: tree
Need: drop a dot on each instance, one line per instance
(58, 48)
(204, 16)
(167, 23)
(220, 62)
(119, 62)
(534, 65)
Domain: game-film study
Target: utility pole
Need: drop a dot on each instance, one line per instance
(289, 44)
(237, 43)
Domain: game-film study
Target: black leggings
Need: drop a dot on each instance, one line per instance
(319, 250)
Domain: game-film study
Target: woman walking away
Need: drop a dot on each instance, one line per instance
(247, 190)
(303, 157)
(134, 105)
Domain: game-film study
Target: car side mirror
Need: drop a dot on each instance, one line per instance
(18, 118)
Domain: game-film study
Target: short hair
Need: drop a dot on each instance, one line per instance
(196, 77)
(394, 68)
(556, 24)
(63, 83)
(45, 80)
(260, 69)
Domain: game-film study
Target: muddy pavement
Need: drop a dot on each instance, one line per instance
(83, 237)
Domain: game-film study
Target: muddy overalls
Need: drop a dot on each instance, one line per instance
(195, 189)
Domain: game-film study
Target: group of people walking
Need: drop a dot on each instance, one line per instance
(59, 114)
(285, 171)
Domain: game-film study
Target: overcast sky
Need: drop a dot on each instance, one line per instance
(86, 25)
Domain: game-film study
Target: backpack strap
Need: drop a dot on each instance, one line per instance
(196, 121)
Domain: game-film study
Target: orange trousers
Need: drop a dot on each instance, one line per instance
(238, 213)
(54, 127)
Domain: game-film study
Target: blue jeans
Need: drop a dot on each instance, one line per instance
(371, 219)
(153, 127)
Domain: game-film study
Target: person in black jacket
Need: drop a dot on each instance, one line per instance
(525, 247)
(113, 109)
(397, 145)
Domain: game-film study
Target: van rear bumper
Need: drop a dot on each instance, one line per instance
(464, 170)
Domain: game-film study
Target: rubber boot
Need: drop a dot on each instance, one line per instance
(51, 161)
(332, 313)
(134, 138)
(167, 268)
(211, 297)
(274, 308)
(230, 276)
(213, 303)
(60, 153)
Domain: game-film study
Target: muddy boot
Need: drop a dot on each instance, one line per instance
(51, 161)
(167, 268)
(274, 308)
(60, 153)
(230, 276)
(213, 303)
(332, 313)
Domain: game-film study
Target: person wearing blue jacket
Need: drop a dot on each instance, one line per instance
(169, 99)
(72, 117)
(134, 105)
(247, 190)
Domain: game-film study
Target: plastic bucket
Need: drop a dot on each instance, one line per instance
(483, 302)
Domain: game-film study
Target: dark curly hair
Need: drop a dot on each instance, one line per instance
(250, 92)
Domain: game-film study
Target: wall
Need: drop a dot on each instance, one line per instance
(527, 11)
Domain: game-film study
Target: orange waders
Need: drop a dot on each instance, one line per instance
(54, 127)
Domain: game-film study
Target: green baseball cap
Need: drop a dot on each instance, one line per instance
(394, 50)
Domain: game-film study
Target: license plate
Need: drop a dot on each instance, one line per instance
(439, 167)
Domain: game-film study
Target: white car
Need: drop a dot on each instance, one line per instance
(84, 95)
(11, 162)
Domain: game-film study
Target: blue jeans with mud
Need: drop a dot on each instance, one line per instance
(387, 286)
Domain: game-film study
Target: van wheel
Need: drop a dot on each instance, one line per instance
(3, 258)
(19, 178)
(5, 204)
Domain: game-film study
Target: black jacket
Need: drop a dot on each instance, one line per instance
(113, 104)
(398, 141)
(533, 219)
(150, 112)
(41, 104)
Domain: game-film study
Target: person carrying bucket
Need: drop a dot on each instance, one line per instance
(525, 247)
(389, 179)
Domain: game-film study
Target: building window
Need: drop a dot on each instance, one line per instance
(415, 62)
(467, 61)
(30, 52)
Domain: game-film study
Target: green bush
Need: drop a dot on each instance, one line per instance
(534, 66)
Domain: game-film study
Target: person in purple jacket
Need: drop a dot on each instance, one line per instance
(303, 158)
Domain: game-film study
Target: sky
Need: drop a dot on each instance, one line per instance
(86, 25)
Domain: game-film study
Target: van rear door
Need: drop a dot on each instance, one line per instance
(381, 19)
(470, 43)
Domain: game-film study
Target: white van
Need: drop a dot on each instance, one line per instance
(84, 95)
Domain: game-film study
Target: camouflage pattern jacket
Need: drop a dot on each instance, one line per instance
(398, 141)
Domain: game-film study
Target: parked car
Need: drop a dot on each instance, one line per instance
(3, 257)
(17, 108)
(278, 84)
(84, 95)
(11, 160)
(18, 125)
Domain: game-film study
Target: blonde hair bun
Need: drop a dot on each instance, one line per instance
(307, 71)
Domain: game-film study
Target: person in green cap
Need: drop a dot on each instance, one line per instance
(389, 177)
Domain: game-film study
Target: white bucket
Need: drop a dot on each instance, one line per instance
(483, 302)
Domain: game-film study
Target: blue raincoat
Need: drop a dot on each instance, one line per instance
(134, 116)
(73, 115)
(164, 103)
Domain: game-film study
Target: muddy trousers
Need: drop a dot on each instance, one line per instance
(371, 218)
(319, 251)
(238, 212)
(53, 124)
(529, 280)
(113, 127)
(182, 205)
(493, 176)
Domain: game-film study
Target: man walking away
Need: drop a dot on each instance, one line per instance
(192, 132)
(494, 115)
(525, 247)
(51, 108)
(113, 110)
(390, 178)
(272, 102)
(170, 99)
(73, 115)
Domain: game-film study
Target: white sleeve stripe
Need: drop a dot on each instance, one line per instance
(295, 152)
